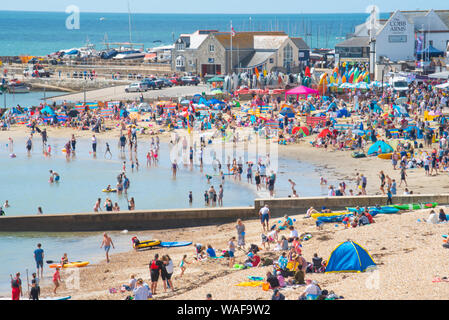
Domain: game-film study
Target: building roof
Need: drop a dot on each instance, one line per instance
(255, 59)
(243, 40)
(300, 43)
(269, 42)
(354, 42)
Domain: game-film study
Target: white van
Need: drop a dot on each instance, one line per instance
(399, 84)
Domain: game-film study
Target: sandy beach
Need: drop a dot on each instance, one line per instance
(408, 254)
(398, 243)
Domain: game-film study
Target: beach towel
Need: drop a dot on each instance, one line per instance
(250, 284)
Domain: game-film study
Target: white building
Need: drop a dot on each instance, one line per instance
(402, 37)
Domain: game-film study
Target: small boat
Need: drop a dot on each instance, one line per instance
(18, 88)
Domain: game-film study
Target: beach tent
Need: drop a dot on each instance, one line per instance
(385, 147)
(304, 130)
(349, 257)
(48, 111)
(301, 91)
(324, 133)
(287, 112)
(343, 113)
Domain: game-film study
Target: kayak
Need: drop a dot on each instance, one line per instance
(388, 156)
(385, 155)
(175, 244)
(147, 244)
(111, 190)
(415, 206)
(382, 209)
(334, 218)
(330, 214)
(70, 264)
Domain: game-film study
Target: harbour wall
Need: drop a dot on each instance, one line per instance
(181, 218)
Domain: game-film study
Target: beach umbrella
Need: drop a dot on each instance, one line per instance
(346, 85)
(362, 85)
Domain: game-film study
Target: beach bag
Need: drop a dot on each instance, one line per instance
(267, 262)
(254, 248)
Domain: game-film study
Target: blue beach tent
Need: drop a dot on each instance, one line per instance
(385, 147)
(349, 257)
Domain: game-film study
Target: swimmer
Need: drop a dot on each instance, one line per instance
(108, 188)
(208, 177)
(6, 204)
(323, 181)
(54, 176)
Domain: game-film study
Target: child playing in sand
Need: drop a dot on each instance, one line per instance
(182, 265)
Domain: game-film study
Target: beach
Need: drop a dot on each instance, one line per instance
(398, 243)
(407, 253)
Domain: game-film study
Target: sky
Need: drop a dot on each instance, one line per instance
(218, 6)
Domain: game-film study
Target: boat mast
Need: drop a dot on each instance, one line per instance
(129, 24)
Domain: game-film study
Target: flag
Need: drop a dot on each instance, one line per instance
(257, 72)
(232, 31)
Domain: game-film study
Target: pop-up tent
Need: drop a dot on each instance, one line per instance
(48, 111)
(343, 113)
(374, 149)
(349, 257)
(324, 133)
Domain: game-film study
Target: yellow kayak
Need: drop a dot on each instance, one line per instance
(385, 156)
(147, 244)
(70, 264)
(388, 156)
(332, 214)
(111, 190)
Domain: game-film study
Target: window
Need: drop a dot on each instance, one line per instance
(430, 42)
(271, 60)
(180, 45)
(288, 56)
(211, 48)
(211, 60)
(180, 61)
(397, 38)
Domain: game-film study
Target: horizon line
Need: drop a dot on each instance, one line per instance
(198, 13)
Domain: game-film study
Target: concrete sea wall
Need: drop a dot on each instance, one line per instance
(180, 218)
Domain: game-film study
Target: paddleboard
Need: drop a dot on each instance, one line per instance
(70, 264)
(175, 244)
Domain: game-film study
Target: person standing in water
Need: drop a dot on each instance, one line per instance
(73, 142)
(174, 168)
(29, 145)
(97, 206)
(39, 258)
(107, 242)
(108, 150)
(94, 145)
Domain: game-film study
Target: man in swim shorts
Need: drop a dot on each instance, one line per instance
(107, 242)
(39, 257)
(264, 215)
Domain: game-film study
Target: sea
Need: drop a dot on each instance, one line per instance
(42, 33)
(25, 177)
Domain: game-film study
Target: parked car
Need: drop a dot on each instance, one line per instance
(166, 83)
(190, 81)
(136, 87)
(176, 81)
(151, 84)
